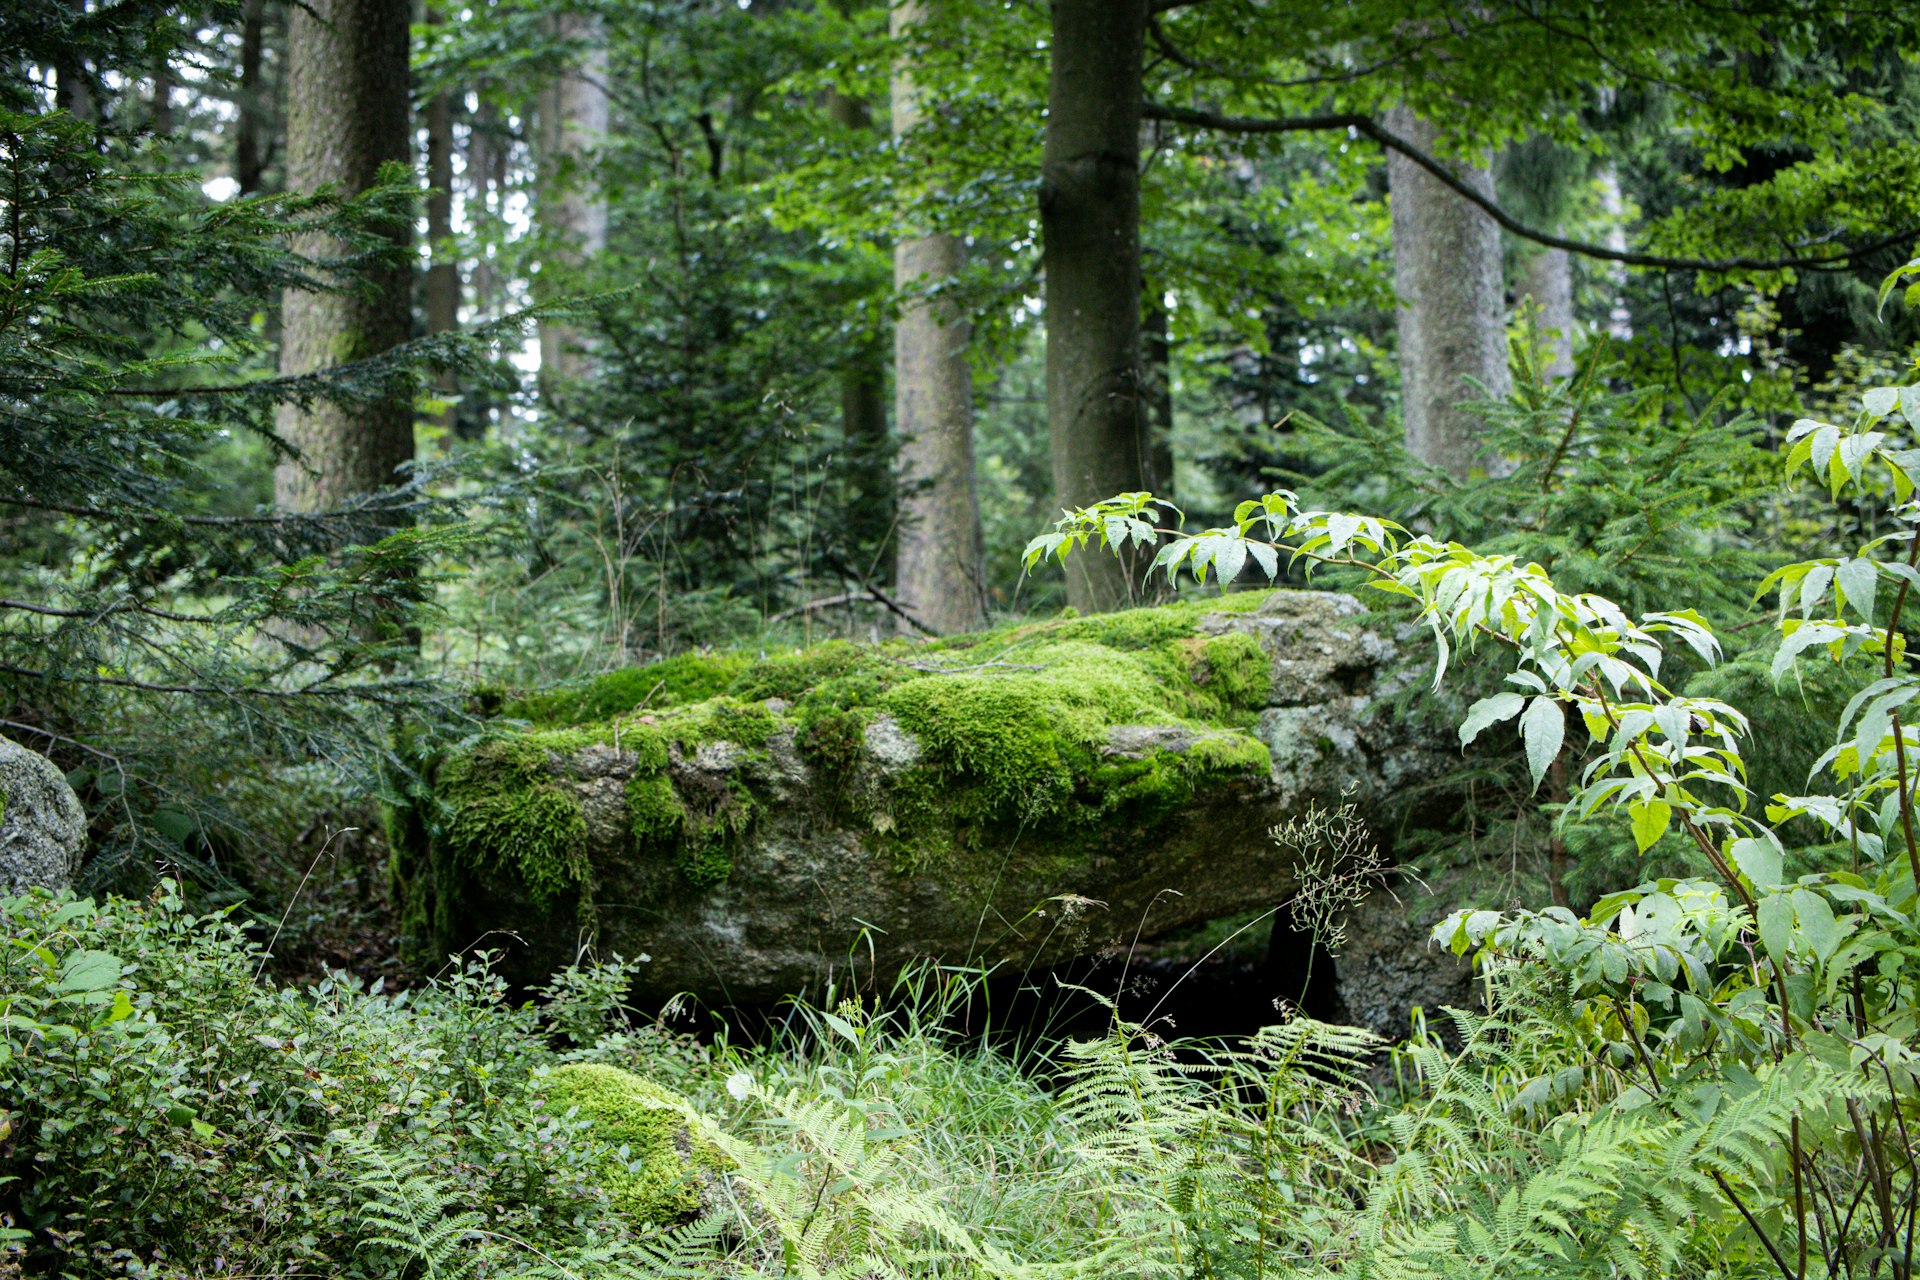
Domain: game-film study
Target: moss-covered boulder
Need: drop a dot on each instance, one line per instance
(1027, 794)
(654, 1169)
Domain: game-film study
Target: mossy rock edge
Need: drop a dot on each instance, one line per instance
(652, 1166)
(751, 825)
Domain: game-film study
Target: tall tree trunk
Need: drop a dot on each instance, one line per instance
(346, 116)
(1452, 306)
(1090, 225)
(72, 92)
(573, 118)
(160, 114)
(1613, 205)
(863, 406)
(249, 141)
(937, 570)
(1546, 280)
(1156, 357)
(442, 284)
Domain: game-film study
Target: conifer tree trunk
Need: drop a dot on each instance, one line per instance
(863, 403)
(1547, 281)
(1090, 225)
(1614, 206)
(346, 116)
(937, 569)
(1157, 382)
(573, 118)
(249, 151)
(442, 284)
(1452, 303)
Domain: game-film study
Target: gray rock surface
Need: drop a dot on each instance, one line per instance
(822, 887)
(43, 829)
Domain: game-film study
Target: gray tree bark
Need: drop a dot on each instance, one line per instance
(442, 284)
(1613, 204)
(1452, 304)
(937, 567)
(1090, 227)
(1156, 360)
(347, 114)
(1546, 280)
(573, 118)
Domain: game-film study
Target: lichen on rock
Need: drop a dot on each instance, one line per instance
(43, 828)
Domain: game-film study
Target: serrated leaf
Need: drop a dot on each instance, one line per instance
(88, 971)
(1814, 916)
(1775, 922)
(1881, 401)
(1757, 860)
(1543, 728)
(1859, 581)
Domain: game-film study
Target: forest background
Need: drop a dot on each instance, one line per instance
(362, 366)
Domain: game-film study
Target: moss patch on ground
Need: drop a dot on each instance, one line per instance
(653, 1165)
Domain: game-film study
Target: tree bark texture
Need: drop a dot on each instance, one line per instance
(347, 114)
(937, 569)
(249, 148)
(1090, 225)
(1156, 360)
(1452, 303)
(1547, 280)
(442, 284)
(573, 120)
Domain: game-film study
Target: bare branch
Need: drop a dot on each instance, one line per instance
(1368, 127)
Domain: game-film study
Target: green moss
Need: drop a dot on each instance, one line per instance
(794, 675)
(699, 831)
(655, 812)
(653, 1165)
(1236, 670)
(506, 810)
(674, 682)
(1013, 725)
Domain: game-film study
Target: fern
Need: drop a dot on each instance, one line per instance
(402, 1210)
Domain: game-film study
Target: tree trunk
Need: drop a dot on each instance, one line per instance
(72, 93)
(160, 116)
(573, 117)
(863, 410)
(249, 152)
(346, 116)
(1090, 226)
(442, 285)
(1613, 204)
(1452, 306)
(937, 571)
(1157, 381)
(1547, 280)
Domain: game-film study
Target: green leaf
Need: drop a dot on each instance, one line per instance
(88, 971)
(1543, 728)
(1651, 819)
(1815, 917)
(1758, 861)
(1490, 711)
(1776, 926)
(1859, 580)
(1881, 401)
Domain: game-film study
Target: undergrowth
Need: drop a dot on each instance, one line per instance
(171, 1113)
